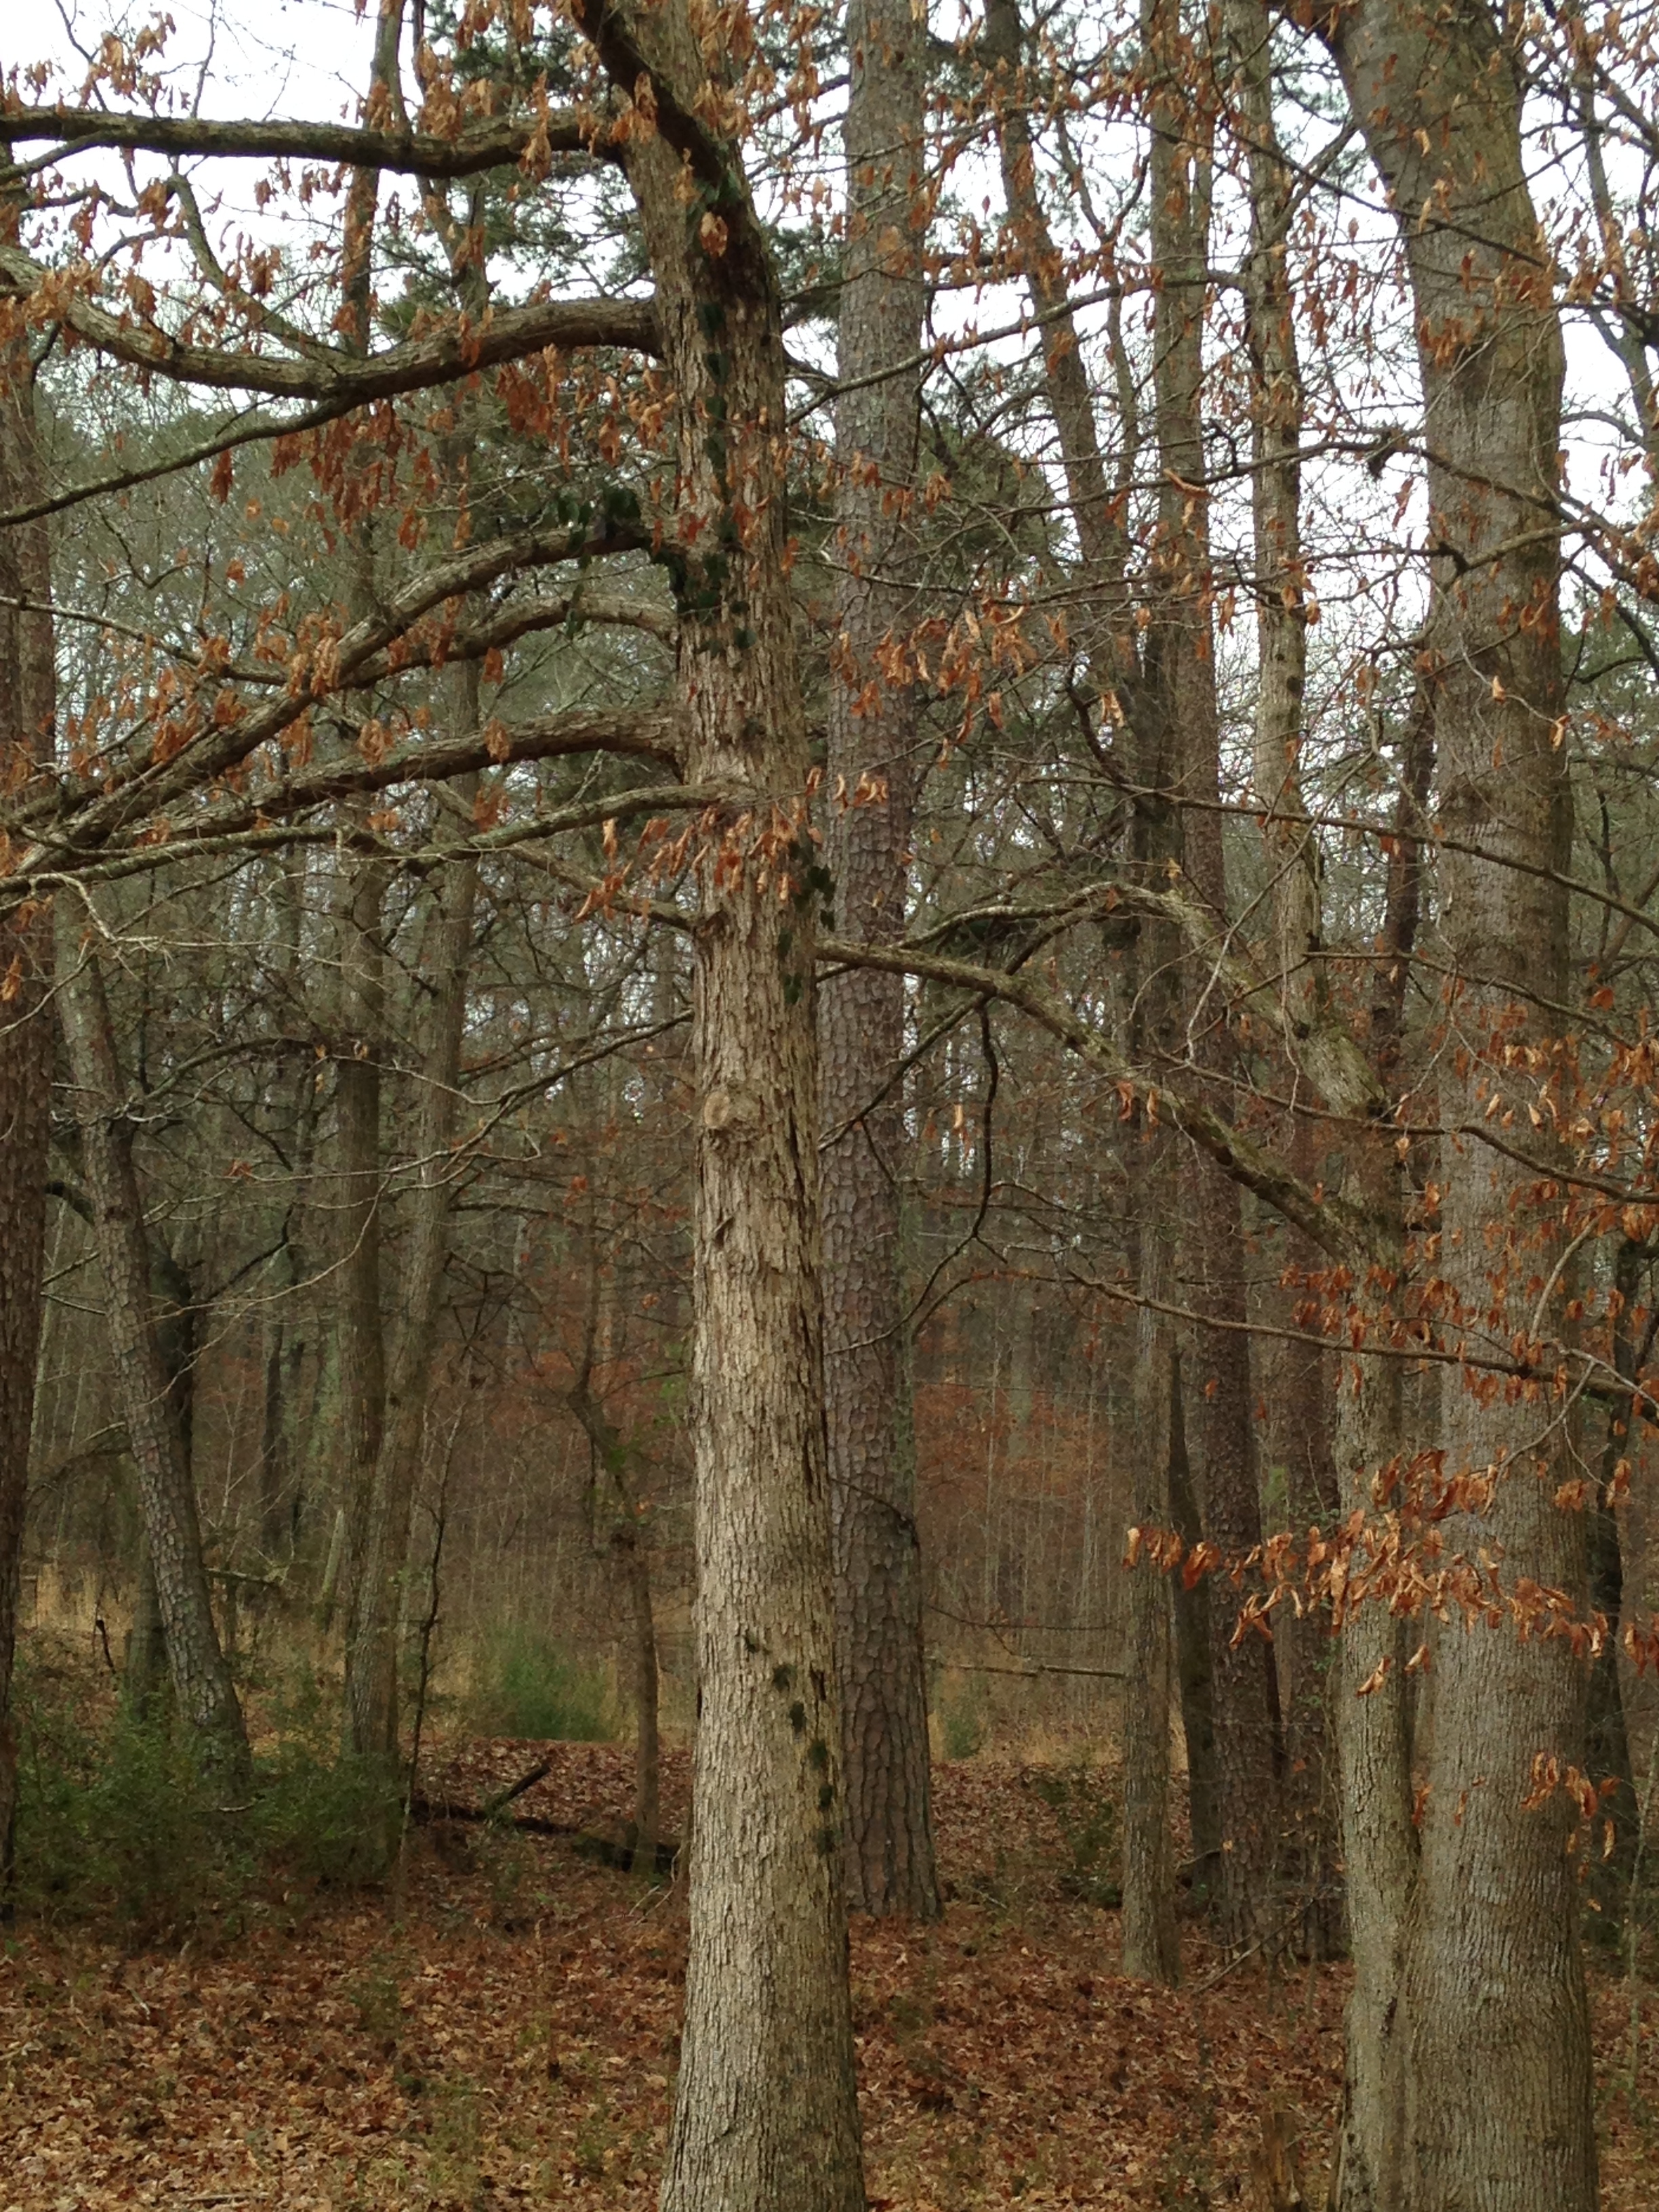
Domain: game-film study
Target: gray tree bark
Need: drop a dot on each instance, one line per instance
(1491, 1988)
(888, 1831)
(204, 1693)
(766, 2111)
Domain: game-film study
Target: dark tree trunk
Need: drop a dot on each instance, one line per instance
(27, 706)
(1220, 1399)
(1192, 1620)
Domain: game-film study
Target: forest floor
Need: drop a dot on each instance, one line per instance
(502, 2031)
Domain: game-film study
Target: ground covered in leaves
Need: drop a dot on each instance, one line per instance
(501, 2030)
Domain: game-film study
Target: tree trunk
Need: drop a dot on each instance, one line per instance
(1151, 1950)
(1492, 1986)
(1379, 1843)
(204, 1691)
(1220, 1427)
(359, 1041)
(382, 1559)
(27, 706)
(1607, 1738)
(648, 1749)
(766, 2112)
(1192, 1628)
(887, 1826)
(145, 1671)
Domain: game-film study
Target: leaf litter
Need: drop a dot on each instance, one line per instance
(501, 2030)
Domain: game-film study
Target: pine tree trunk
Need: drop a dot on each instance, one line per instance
(1492, 1988)
(27, 706)
(889, 1844)
(205, 1694)
(766, 2111)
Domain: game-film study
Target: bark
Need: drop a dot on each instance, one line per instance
(359, 1045)
(27, 706)
(1607, 1737)
(371, 1705)
(1492, 1984)
(766, 2111)
(1379, 1843)
(612, 1451)
(889, 1844)
(648, 1748)
(204, 1695)
(287, 1418)
(1192, 1624)
(1096, 501)
(146, 1668)
(1151, 1949)
(1221, 1426)
(1278, 411)
(372, 1669)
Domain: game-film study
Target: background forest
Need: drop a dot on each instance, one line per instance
(829, 889)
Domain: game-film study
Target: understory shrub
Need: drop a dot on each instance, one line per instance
(964, 1716)
(526, 1685)
(1086, 1810)
(116, 1821)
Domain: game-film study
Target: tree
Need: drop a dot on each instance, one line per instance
(27, 691)
(872, 767)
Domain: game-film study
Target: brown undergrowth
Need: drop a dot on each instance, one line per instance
(502, 2031)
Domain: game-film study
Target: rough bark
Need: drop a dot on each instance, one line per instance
(204, 1695)
(27, 705)
(1379, 1843)
(889, 1844)
(621, 1461)
(766, 2111)
(1607, 1737)
(1192, 1628)
(1492, 1984)
(144, 1674)
(1220, 1427)
(1151, 1950)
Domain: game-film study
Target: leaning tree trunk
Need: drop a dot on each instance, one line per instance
(1497, 2080)
(766, 2111)
(204, 1691)
(28, 704)
(888, 1831)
